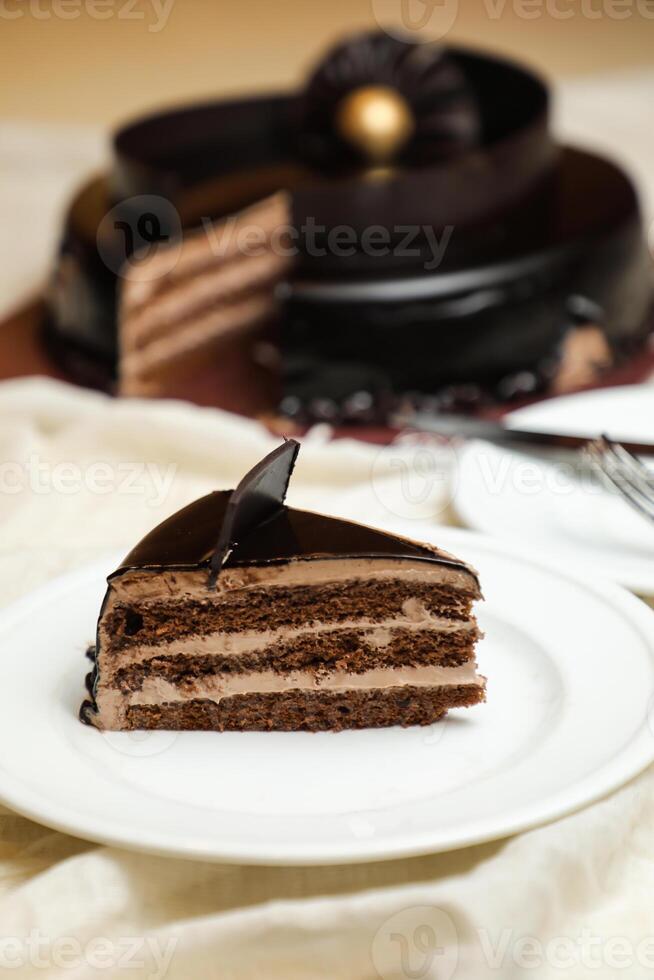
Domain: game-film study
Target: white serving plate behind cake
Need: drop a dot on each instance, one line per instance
(548, 507)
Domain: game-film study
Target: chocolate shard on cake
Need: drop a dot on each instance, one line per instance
(240, 613)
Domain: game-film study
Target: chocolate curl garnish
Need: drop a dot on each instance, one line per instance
(259, 496)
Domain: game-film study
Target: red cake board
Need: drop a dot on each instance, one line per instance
(237, 384)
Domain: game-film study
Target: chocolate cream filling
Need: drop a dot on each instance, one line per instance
(113, 705)
(375, 635)
(143, 609)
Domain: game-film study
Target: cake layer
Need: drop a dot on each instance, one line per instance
(343, 650)
(373, 635)
(189, 298)
(218, 687)
(307, 711)
(204, 250)
(213, 290)
(149, 579)
(279, 607)
(193, 340)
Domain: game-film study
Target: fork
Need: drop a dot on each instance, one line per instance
(623, 472)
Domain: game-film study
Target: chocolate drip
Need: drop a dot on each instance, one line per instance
(89, 706)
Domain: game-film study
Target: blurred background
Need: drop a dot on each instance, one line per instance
(74, 70)
(102, 60)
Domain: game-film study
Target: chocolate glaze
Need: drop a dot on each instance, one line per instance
(172, 153)
(187, 540)
(256, 528)
(89, 707)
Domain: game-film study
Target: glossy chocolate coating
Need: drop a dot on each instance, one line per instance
(230, 153)
(476, 321)
(188, 540)
(256, 501)
(252, 526)
(435, 99)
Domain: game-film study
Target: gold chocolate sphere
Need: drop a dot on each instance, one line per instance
(377, 120)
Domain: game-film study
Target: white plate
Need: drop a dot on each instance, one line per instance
(570, 671)
(547, 507)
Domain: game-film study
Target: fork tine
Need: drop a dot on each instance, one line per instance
(601, 453)
(639, 503)
(631, 463)
(628, 468)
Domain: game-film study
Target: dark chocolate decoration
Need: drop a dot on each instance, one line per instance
(258, 498)
(529, 233)
(442, 102)
(261, 530)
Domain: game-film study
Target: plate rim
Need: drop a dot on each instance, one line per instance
(466, 510)
(474, 516)
(611, 392)
(634, 758)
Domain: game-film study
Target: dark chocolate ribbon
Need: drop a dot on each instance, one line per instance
(259, 496)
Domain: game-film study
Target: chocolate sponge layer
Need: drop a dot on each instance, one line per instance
(307, 711)
(349, 650)
(274, 608)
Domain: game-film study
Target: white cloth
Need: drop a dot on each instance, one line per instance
(572, 899)
(588, 878)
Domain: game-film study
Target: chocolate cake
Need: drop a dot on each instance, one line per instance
(498, 251)
(240, 613)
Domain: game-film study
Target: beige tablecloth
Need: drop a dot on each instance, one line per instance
(572, 899)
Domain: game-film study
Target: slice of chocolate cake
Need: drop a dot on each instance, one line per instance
(241, 613)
